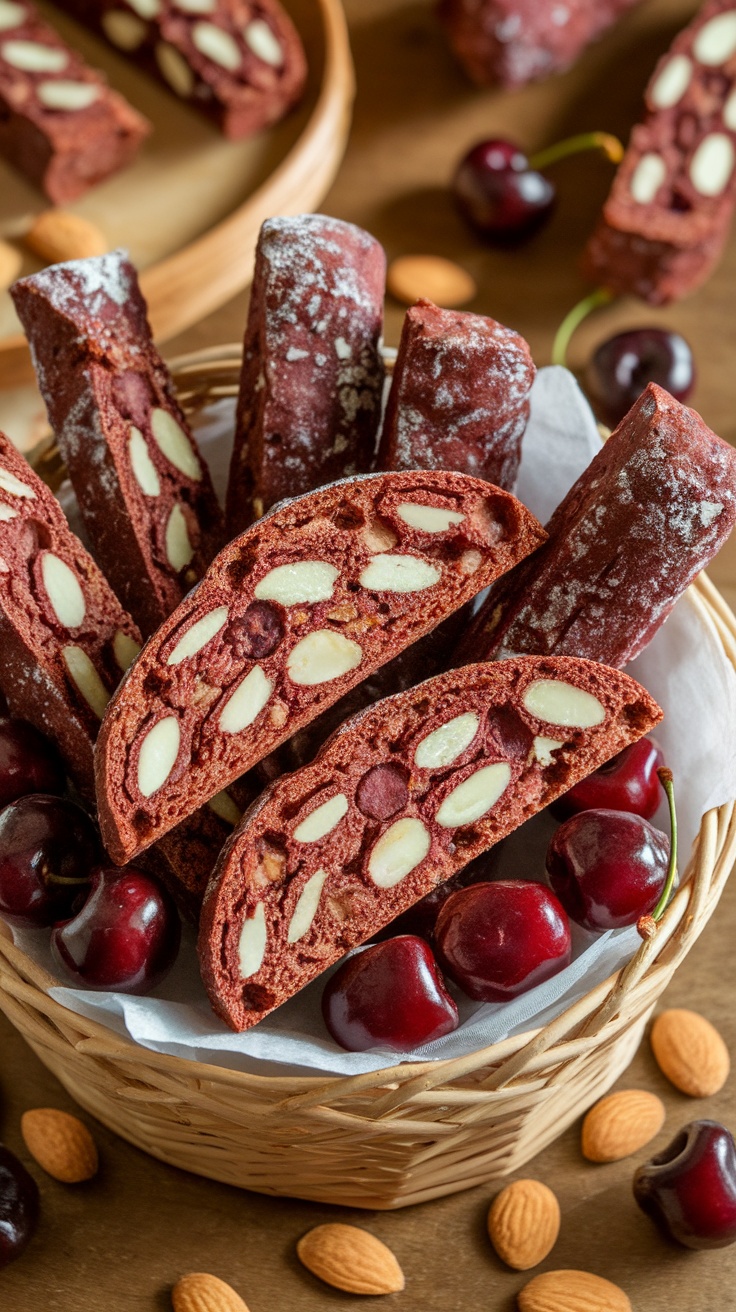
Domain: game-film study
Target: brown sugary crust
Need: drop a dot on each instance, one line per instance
(149, 510)
(459, 396)
(370, 774)
(222, 73)
(299, 609)
(665, 222)
(65, 151)
(649, 512)
(518, 41)
(310, 390)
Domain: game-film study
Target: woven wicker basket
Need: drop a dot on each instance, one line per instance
(397, 1136)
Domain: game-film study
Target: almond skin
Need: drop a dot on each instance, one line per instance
(351, 1259)
(690, 1052)
(621, 1124)
(523, 1223)
(60, 1143)
(200, 1292)
(58, 235)
(411, 277)
(572, 1291)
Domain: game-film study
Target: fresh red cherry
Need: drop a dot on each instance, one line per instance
(499, 193)
(498, 940)
(628, 782)
(689, 1189)
(125, 937)
(48, 846)
(608, 868)
(390, 995)
(19, 1207)
(622, 366)
(29, 763)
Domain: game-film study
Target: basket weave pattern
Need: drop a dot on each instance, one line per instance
(398, 1136)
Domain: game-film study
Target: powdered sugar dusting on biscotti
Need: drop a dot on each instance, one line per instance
(98, 279)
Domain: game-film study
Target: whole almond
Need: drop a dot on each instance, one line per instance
(58, 235)
(351, 1259)
(60, 1143)
(410, 277)
(200, 1292)
(523, 1223)
(572, 1291)
(621, 1124)
(11, 261)
(690, 1052)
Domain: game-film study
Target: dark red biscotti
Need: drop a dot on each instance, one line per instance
(145, 494)
(669, 212)
(518, 41)
(398, 801)
(304, 605)
(240, 62)
(60, 123)
(459, 396)
(649, 512)
(310, 390)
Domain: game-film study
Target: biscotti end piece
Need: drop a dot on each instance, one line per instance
(144, 492)
(307, 603)
(398, 801)
(310, 390)
(459, 396)
(646, 516)
(61, 124)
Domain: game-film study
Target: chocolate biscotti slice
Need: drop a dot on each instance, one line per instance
(398, 801)
(518, 41)
(646, 516)
(240, 62)
(60, 123)
(459, 396)
(145, 494)
(310, 391)
(670, 208)
(304, 605)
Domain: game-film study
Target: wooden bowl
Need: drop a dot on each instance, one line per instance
(292, 165)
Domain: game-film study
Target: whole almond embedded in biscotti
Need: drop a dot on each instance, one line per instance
(351, 1259)
(690, 1052)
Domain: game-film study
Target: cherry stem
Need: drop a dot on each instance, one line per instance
(647, 925)
(610, 145)
(573, 320)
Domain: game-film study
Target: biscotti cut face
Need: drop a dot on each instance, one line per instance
(144, 492)
(649, 512)
(240, 62)
(60, 123)
(670, 208)
(303, 606)
(398, 801)
(310, 390)
(459, 396)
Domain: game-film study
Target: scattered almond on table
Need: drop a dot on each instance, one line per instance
(58, 235)
(60, 1143)
(621, 1124)
(11, 261)
(200, 1292)
(351, 1259)
(411, 277)
(690, 1052)
(572, 1291)
(523, 1223)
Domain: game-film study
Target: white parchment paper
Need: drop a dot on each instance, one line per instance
(684, 668)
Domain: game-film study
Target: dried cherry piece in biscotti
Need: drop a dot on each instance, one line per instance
(260, 631)
(270, 924)
(382, 791)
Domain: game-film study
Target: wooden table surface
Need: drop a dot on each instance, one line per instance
(120, 1242)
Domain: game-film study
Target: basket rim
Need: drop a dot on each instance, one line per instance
(713, 853)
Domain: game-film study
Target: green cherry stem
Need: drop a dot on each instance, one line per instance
(610, 145)
(574, 318)
(647, 924)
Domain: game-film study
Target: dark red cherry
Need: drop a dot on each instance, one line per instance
(622, 366)
(498, 940)
(19, 1207)
(390, 995)
(125, 937)
(689, 1189)
(608, 868)
(29, 763)
(499, 193)
(628, 782)
(48, 847)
